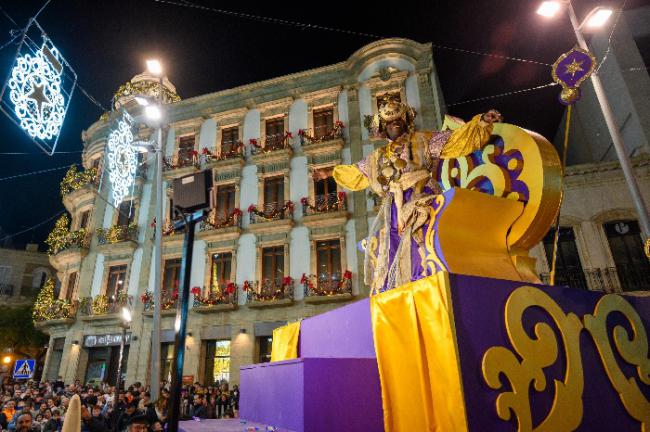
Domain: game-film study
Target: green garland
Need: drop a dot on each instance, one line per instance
(74, 179)
(46, 307)
(61, 238)
(117, 233)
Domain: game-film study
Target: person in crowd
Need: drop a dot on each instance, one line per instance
(234, 400)
(130, 411)
(55, 424)
(24, 423)
(198, 408)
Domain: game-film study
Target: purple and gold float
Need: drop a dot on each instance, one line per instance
(458, 334)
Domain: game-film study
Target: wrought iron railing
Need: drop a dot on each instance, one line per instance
(611, 279)
(224, 152)
(218, 220)
(168, 300)
(104, 305)
(182, 160)
(321, 134)
(224, 293)
(6, 289)
(117, 234)
(270, 143)
(271, 211)
(270, 289)
(327, 284)
(57, 309)
(634, 278)
(324, 203)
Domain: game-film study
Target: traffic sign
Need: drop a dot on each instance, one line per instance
(24, 368)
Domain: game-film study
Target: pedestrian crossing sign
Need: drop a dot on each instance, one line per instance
(24, 369)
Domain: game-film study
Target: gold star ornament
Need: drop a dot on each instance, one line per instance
(574, 67)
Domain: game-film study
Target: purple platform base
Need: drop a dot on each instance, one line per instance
(334, 386)
(313, 394)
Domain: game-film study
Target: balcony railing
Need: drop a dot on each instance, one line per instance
(104, 305)
(327, 284)
(269, 290)
(225, 152)
(270, 143)
(321, 134)
(224, 293)
(611, 279)
(117, 234)
(74, 179)
(324, 203)
(182, 160)
(6, 289)
(270, 212)
(56, 310)
(168, 300)
(218, 220)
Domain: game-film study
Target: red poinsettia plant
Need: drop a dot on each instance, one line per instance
(347, 275)
(253, 142)
(230, 288)
(286, 281)
(339, 124)
(288, 134)
(289, 205)
(252, 208)
(194, 153)
(206, 152)
(246, 286)
(236, 212)
(341, 196)
(302, 132)
(196, 291)
(304, 200)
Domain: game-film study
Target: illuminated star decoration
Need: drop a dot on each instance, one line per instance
(35, 91)
(122, 159)
(574, 67)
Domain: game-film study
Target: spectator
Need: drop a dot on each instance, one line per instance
(234, 400)
(198, 408)
(24, 423)
(55, 424)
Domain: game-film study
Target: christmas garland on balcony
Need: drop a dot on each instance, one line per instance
(196, 163)
(168, 302)
(117, 233)
(273, 214)
(257, 145)
(310, 282)
(74, 179)
(339, 204)
(336, 133)
(235, 151)
(214, 297)
(61, 238)
(46, 307)
(280, 292)
(231, 220)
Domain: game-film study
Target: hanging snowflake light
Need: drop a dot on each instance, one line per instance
(122, 158)
(38, 89)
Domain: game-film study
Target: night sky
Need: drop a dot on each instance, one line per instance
(106, 42)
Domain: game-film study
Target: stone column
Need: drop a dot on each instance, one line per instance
(427, 104)
(356, 154)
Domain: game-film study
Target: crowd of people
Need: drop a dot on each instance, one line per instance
(41, 406)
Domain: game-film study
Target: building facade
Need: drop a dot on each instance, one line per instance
(22, 274)
(280, 242)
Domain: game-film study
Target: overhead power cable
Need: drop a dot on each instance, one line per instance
(503, 94)
(32, 227)
(306, 26)
(35, 172)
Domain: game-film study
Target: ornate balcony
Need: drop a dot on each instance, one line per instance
(269, 293)
(103, 308)
(633, 278)
(270, 149)
(169, 302)
(181, 164)
(275, 216)
(78, 186)
(333, 202)
(118, 238)
(66, 247)
(49, 312)
(307, 136)
(221, 156)
(217, 220)
(220, 298)
(327, 288)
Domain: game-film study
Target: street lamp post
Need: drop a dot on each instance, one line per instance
(125, 324)
(154, 67)
(595, 19)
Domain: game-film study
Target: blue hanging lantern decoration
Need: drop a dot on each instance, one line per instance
(37, 92)
(570, 70)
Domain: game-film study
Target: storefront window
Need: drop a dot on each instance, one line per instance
(102, 364)
(217, 361)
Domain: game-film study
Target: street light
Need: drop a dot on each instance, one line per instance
(6, 359)
(597, 18)
(153, 111)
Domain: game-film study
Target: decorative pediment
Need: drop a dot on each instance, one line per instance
(274, 107)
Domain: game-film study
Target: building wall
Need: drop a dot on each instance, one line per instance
(21, 272)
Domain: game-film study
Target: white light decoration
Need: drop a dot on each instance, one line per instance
(38, 89)
(122, 158)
